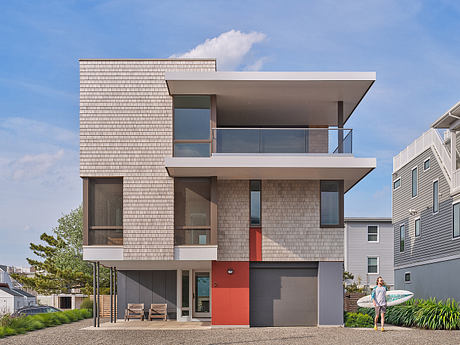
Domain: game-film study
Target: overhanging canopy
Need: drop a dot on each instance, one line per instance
(451, 119)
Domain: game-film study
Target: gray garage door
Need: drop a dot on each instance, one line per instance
(283, 294)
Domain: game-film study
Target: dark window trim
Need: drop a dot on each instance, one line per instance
(410, 278)
(341, 211)
(255, 225)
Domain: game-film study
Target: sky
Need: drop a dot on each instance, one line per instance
(413, 46)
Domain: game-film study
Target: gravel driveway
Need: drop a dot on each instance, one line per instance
(73, 334)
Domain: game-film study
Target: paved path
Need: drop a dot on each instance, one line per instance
(75, 334)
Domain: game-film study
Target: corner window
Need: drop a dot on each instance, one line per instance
(192, 210)
(372, 233)
(373, 265)
(192, 126)
(417, 227)
(397, 183)
(426, 164)
(331, 203)
(456, 222)
(436, 196)
(402, 236)
(414, 182)
(255, 187)
(105, 211)
(407, 277)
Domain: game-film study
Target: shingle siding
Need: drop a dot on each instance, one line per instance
(291, 224)
(126, 130)
(436, 229)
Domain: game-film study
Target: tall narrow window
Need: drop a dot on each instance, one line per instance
(414, 182)
(105, 210)
(417, 227)
(372, 233)
(331, 203)
(436, 196)
(185, 293)
(456, 222)
(426, 164)
(402, 237)
(192, 126)
(255, 187)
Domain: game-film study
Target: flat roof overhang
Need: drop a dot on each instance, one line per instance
(270, 98)
(450, 120)
(274, 167)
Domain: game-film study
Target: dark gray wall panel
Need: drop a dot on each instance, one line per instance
(330, 294)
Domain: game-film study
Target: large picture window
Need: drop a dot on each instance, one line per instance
(105, 211)
(192, 210)
(331, 203)
(192, 126)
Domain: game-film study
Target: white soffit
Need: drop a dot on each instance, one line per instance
(451, 117)
(270, 98)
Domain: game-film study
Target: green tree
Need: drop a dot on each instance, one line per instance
(60, 266)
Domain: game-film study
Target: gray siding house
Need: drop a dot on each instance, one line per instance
(368, 249)
(426, 211)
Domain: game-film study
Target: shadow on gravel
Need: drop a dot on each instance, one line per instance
(264, 340)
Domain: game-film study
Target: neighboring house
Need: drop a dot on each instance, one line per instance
(219, 193)
(426, 211)
(368, 250)
(11, 297)
(62, 301)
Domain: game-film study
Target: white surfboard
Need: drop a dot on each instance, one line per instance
(394, 297)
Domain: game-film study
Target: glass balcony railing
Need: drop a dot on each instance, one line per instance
(282, 140)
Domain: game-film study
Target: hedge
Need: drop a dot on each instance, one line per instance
(428, 314)
(20, 325)
(358, 320)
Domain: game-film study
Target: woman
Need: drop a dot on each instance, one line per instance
(380, 302)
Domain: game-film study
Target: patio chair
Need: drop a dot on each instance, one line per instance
(158, 311)
(134, 311)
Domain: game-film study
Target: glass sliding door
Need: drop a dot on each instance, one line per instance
(202, 294)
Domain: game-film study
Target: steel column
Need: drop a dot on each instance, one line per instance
(97, 291)
(115, 276)
(94, 294)
(111, 296)
(340, 126)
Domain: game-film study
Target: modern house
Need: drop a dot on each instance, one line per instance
(368, 249)
(219, 193)
(426, 211)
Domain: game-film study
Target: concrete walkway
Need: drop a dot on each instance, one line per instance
(150, 325)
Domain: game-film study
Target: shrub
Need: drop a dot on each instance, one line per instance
(358, 320)
(441, 315)
(86, 304)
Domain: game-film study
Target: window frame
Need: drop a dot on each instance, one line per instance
(410, 278)
(404, 239)
(453, 221)
(378, 264)
(341, 209)
(394, 181)
(412, 182)
(415, 227)
(260, 204)
(427, 160)
(432, 196)
(378, 234)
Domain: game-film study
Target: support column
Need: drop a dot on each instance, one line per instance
(111, 296)
(340, 126)
(94, 295)
(115, 281)
(453, 152)
(97, 291)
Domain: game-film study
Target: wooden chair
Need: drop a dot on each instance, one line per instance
(158, 311)
(134, 311)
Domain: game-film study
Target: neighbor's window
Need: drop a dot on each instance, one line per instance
(456, 222)
(397, 183)
(402, 236)
(414, 182)
(331, 203)
(372, 233)
(372, 265)
(192, 208)
(255, 202)
(417, 227)
(192, 126)
(407, 277)
(105, 198)
(435, 196)
(426, 164)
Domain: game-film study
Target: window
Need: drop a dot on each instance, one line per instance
(372, 233)
(417, 227)
(192, 126)
(414, 182)
(105, 211)
(331, 203)
(456, 222)
(255, 202)
(407, 277)
(397, 183)
(426, 164)
(373, 265)
(402, 236)
(192, 210)
(185, 293)
(436, 196)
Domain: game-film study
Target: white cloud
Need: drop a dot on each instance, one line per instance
(257, 65)
(229, 48)
(30, 166)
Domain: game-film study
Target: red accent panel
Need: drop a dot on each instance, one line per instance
(230, 293)
(255, 244)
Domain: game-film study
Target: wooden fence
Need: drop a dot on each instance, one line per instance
(350, 300)
(104, 305)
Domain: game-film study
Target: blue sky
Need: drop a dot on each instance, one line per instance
(414, 46)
